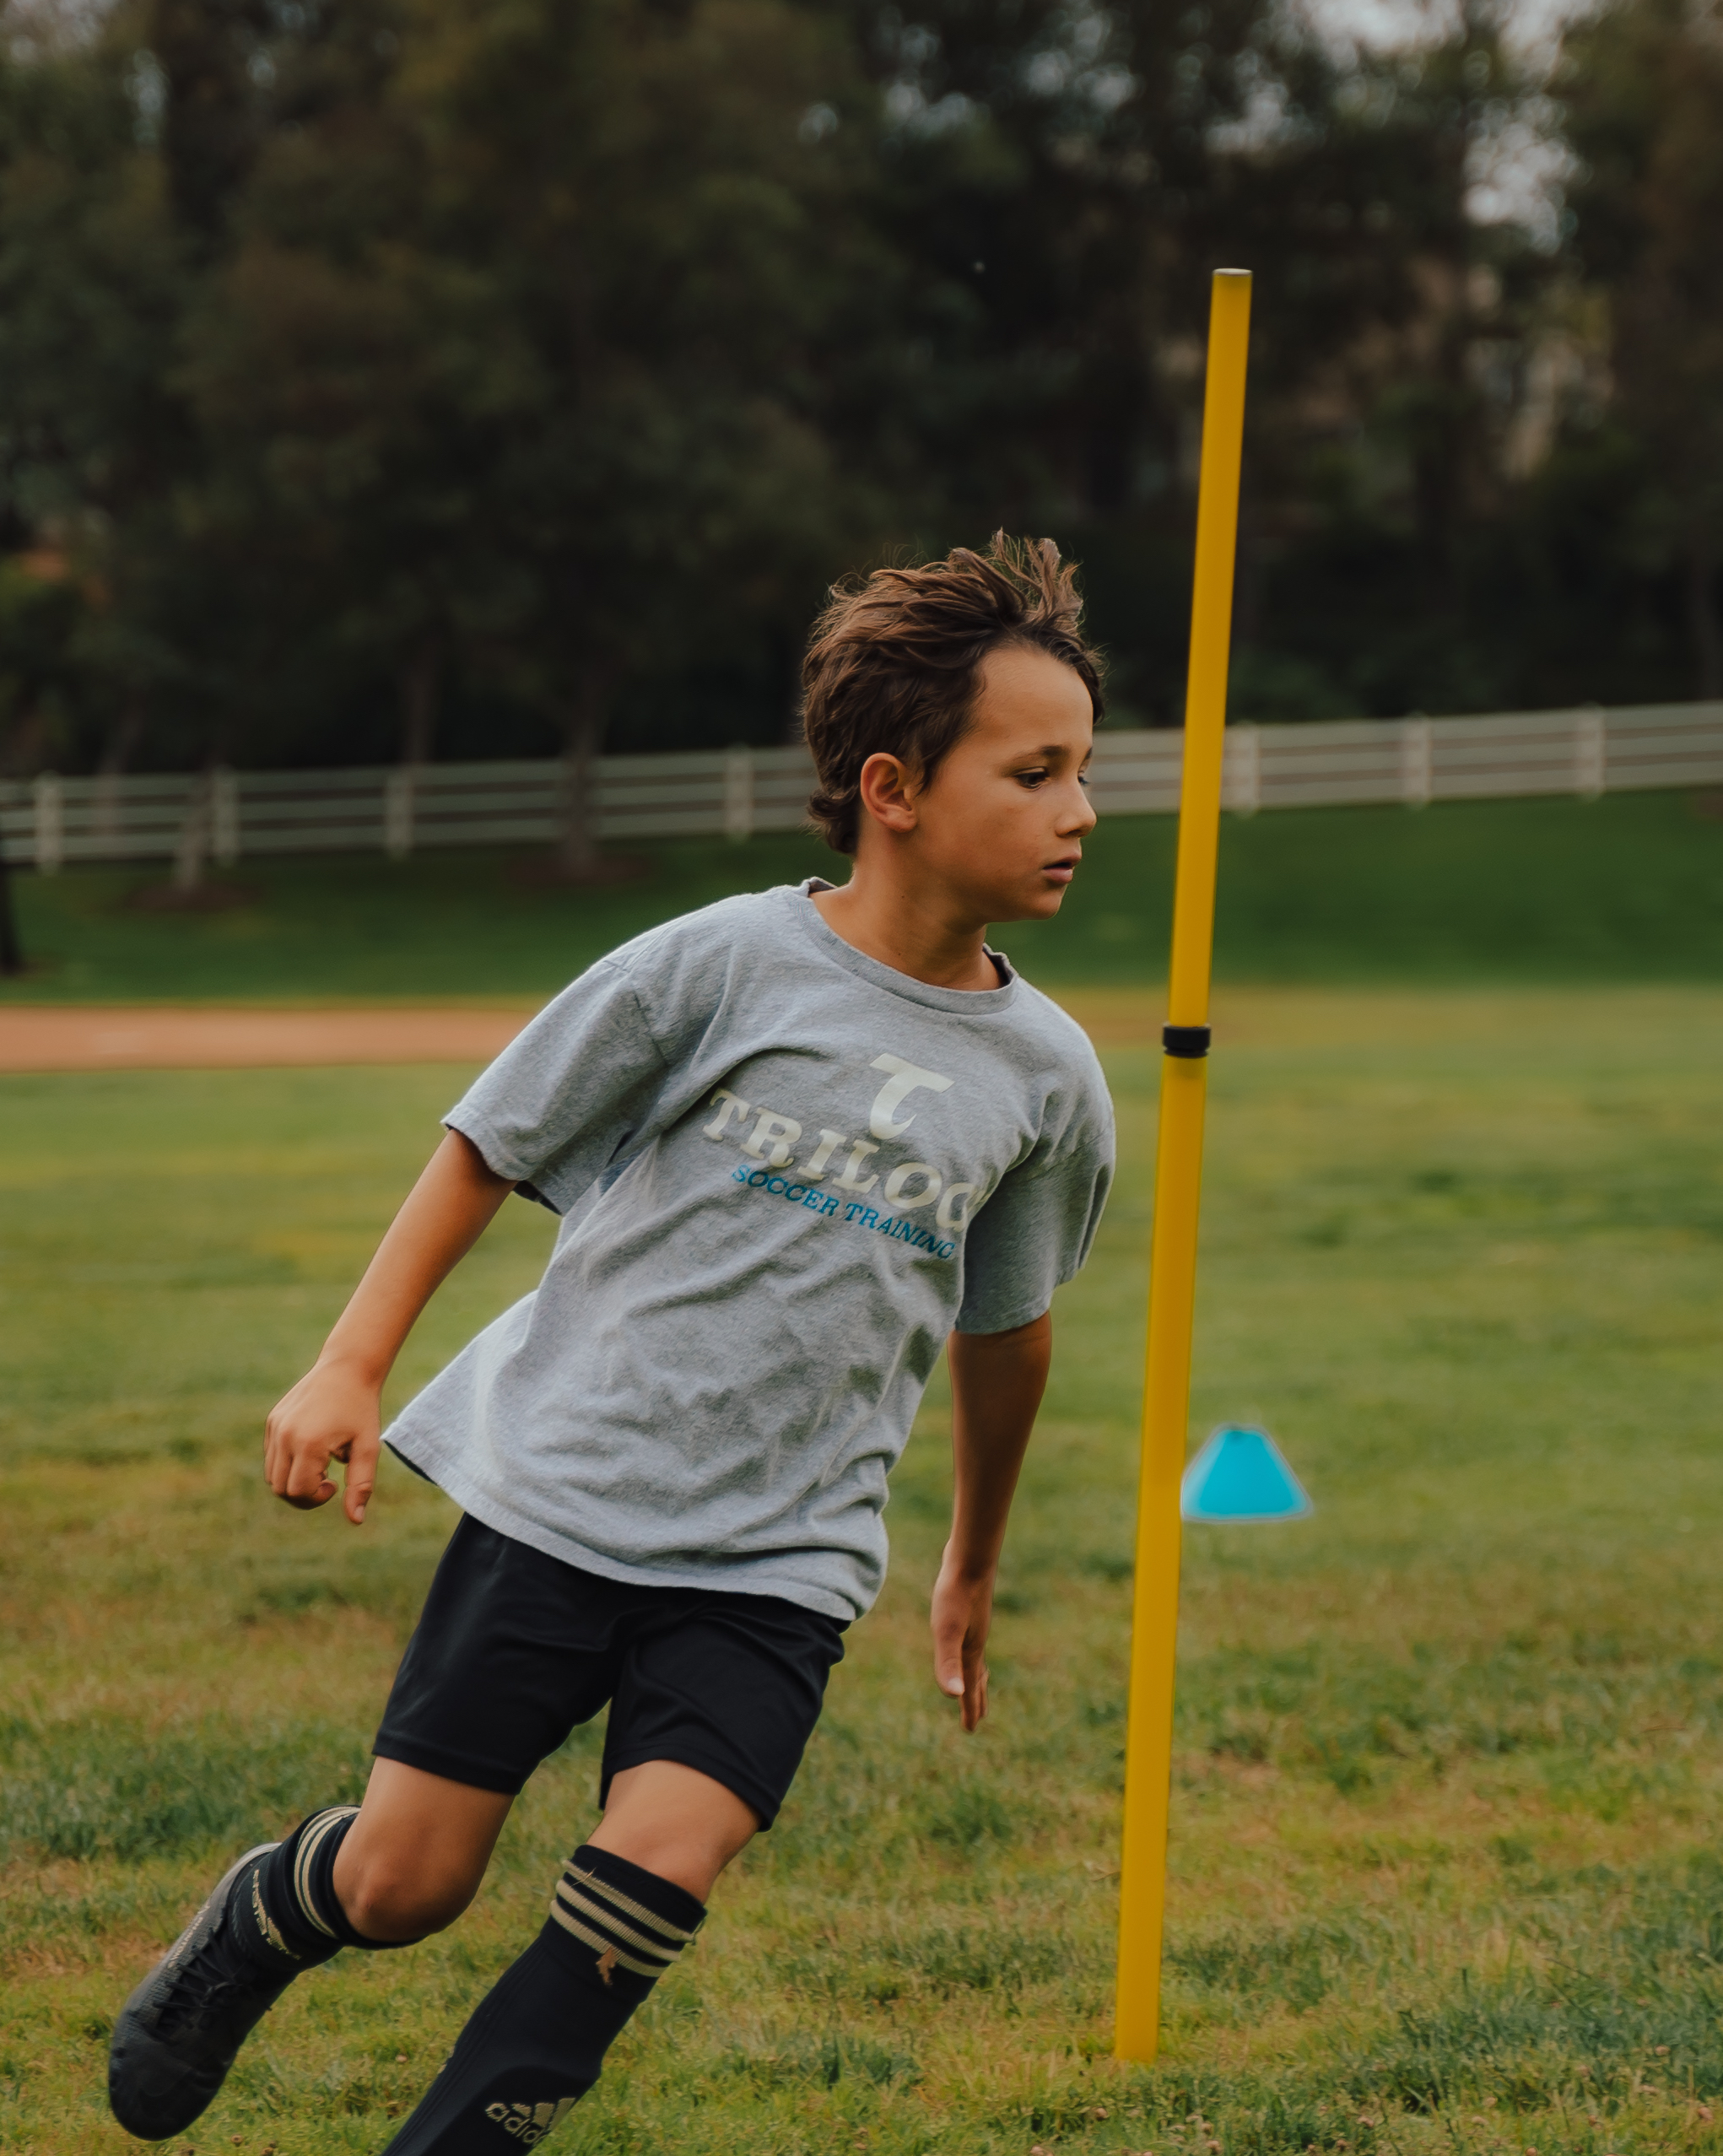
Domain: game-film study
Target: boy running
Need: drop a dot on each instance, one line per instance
(799, 1141)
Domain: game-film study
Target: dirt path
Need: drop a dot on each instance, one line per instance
(210, 1037)
(44, 1039)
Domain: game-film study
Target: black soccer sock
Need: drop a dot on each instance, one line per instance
(292, 1898)
(537, 2039)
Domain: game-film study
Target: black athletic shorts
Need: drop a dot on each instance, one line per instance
(514, 1649)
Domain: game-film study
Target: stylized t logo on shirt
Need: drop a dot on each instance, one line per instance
(905, 1079)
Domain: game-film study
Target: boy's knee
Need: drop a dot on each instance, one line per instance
(392, 1901)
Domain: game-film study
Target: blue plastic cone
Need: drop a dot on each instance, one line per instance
(1241, 1475)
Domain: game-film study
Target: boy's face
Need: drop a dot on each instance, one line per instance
(1003, 821)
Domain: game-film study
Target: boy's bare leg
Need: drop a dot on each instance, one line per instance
(416, 1854)
(674, 1821)
(413, 1858)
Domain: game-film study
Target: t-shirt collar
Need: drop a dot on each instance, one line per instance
(971, 1003)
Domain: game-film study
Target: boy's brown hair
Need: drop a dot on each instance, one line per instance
(893, 661)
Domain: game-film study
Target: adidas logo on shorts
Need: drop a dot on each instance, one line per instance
(529, 2122)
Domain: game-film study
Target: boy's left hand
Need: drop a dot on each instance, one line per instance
(962, 1616)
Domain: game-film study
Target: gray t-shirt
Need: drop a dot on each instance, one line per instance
(786, 1173)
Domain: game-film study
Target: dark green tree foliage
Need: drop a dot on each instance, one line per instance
(1387, 311)
(92, 441)
(654, 236)
(349, 382)
(413, 376)
(1046, 175)
(514, 362)
(369, 340)
(1062, 179)
(1642, 90)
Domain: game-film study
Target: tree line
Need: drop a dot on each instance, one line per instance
(404, 378)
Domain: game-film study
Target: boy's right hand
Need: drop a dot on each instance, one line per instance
(333, 1414)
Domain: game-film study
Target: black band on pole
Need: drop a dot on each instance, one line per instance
(1191, 1041)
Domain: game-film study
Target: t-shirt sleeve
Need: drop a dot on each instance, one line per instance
(576, 1090)
(1034, 1232)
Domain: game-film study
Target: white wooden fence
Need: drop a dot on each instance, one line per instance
(225, 815)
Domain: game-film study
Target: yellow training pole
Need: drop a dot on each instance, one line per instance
(1166, 1399)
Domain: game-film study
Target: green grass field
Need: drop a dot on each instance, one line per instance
(1446, 1864)
(1626, 888)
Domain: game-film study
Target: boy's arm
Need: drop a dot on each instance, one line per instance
(334, 1412)
(996, 1383)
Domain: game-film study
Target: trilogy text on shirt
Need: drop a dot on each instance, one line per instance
(908, 1187)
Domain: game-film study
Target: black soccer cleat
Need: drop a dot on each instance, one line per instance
(180, 2030)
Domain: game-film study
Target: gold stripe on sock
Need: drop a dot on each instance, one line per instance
(642, 1914)
(592, 1938)
(311, 1841)
(596, 1913)
(265, 1922)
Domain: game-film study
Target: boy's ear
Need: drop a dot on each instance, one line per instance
(889, 791)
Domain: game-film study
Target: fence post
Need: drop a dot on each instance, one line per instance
(193, 848)
(399, 788)
(105, 810)
(738, 794)
(1245, 768)
(224, 815)
(1417, 774)
(50, 804)
(1590, 754)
